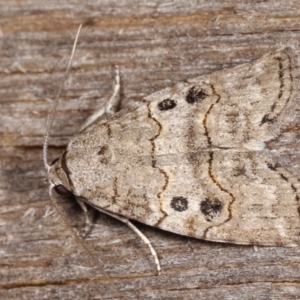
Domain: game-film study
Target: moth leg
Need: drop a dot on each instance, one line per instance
(111, 106)
(88, 224)
(138, 232)
(145, 240)
(115, 100)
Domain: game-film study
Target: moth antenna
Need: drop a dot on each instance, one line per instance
(51, 113)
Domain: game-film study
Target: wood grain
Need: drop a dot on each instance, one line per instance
(156, 44)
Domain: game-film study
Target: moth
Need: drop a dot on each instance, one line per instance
(198, 159)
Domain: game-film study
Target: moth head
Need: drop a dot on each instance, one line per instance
(58, 179)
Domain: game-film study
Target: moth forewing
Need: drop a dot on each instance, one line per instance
(194, 159)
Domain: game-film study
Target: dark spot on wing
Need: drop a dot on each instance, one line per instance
(179, 203)
(195, 95)
(166, 104)
(211, 208)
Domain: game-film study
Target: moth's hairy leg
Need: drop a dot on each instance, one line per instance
(146, 241)
(115, 100)
(88, 222)
(111, 106)
(137, 231)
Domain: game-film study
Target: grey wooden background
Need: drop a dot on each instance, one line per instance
(156, 44)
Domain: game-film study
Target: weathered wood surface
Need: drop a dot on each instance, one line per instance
(156, 44)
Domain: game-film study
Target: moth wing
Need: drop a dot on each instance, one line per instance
(194, 158)
(226, 185)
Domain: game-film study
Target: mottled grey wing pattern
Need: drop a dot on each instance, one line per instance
(193, 159)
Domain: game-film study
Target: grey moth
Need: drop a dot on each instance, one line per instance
(194, 159)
